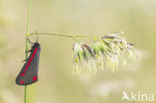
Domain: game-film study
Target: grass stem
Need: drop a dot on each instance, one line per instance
(26, 43)
(64, 35)
(25, 94)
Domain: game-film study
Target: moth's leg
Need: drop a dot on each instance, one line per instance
(28, 51)
(24, 60)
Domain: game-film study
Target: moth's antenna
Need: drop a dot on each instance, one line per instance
(36, 36)
(29, 41)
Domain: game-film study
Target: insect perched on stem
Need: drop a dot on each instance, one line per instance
(29, 72)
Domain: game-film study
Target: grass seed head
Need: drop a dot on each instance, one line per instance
(104, 52)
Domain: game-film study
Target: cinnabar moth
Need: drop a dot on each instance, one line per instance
(29, 72)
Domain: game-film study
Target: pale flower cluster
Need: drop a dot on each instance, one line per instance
(109, 51)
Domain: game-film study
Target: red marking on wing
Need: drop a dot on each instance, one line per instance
(29, 62)
(34, 78)
(22, 82)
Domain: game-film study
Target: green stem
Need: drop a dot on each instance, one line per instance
(64, 35)
(27, 25)
(25, 94)
(26, 43)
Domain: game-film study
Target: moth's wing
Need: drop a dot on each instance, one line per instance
(29, 75)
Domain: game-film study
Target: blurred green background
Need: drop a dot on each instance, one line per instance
(91, 17)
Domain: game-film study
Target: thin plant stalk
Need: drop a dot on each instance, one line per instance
(26, 43)
(64, 35)
(25, 94)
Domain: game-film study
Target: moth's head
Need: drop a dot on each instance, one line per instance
(36, 44)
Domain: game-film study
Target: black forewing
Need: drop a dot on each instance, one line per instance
(31, 74)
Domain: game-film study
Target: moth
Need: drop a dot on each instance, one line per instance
(29, 72)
